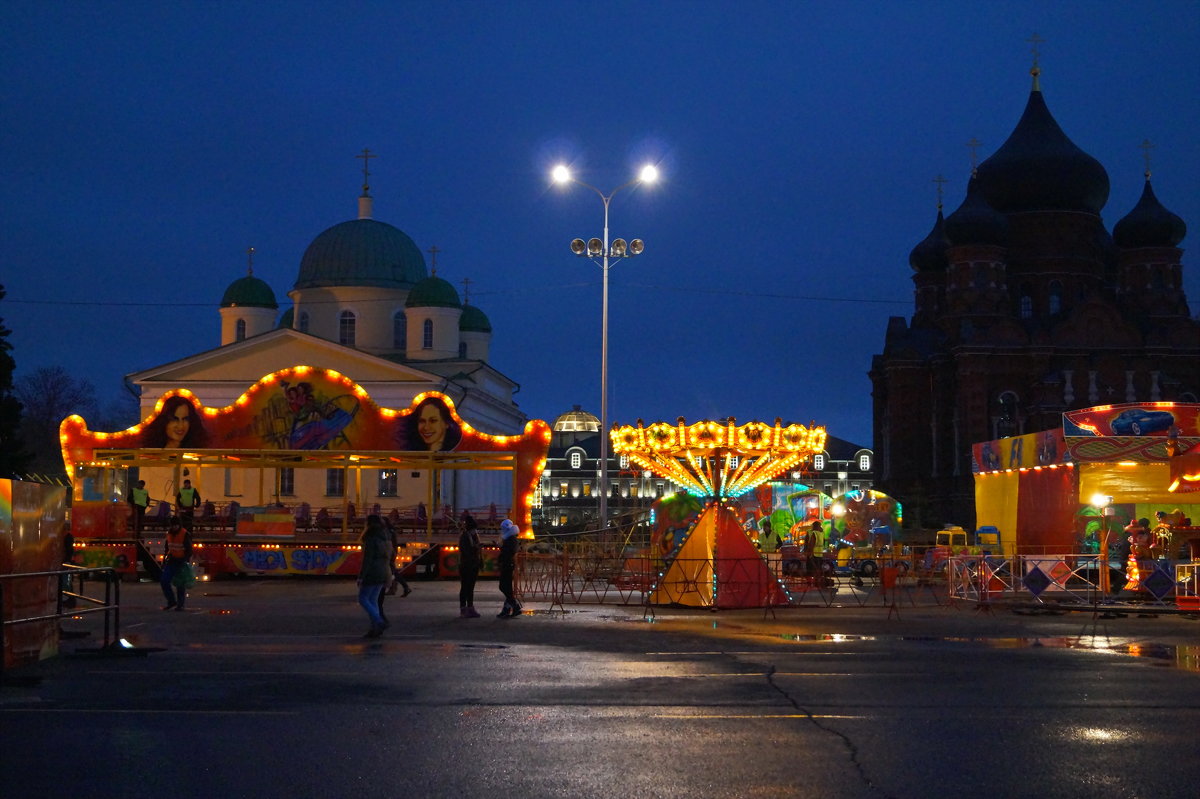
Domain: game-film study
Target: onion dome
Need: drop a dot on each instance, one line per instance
(433, 292)
(249, 291)
(473, 320)
(361, 252)
(1039, 169)
(976, 222)
(577, 420)
(1149, 224)
(930, 254)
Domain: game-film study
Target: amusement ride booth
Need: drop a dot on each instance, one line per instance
(291, 422)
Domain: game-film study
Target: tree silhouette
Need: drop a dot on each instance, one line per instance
(13, 456)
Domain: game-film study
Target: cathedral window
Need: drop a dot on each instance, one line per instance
(1056, 294)
(427, 335)
(346, 328)
(240, 334)
(1025, 308)
(303, 324)
(462, 349)
(1006, 422)
(399, 331)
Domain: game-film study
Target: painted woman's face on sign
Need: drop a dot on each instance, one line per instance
(178, 425)
(432, 428)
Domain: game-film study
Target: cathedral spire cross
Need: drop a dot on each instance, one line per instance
(250, 261)
(433, 265)
(1035, 40)
(1146, 147)
(366, 156)
(939, 180)
(466, 289)
(973, 145)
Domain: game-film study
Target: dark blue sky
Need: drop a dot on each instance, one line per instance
(145, 146)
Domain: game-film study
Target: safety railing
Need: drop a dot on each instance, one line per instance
(63, 590)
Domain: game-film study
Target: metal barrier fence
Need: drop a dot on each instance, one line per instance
(64, 590)
(589, 573)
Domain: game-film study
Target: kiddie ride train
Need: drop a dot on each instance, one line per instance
(274, 428)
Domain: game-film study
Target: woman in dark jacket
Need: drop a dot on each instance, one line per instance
(508, 568)
(375, 573)
(468, 568)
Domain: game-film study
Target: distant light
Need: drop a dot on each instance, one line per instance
(561, 174)
(649, 173)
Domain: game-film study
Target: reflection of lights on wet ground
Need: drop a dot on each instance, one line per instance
(1098, 734)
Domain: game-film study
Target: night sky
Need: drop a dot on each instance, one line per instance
(145, 146)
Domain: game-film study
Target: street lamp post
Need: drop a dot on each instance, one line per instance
(601, 249)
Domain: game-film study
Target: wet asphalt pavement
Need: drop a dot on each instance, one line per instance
(266, 688)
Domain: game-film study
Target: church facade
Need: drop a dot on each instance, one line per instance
(365, 305)
(1026, 306)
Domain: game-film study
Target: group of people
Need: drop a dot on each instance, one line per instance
(379, 570)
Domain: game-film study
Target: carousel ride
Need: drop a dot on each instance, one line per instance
(709, 559)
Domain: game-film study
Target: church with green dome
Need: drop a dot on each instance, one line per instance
(364, 304)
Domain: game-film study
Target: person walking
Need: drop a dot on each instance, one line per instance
(468, 567)
(177, 552)
(375, 572)
(397, 582)
(508, 567)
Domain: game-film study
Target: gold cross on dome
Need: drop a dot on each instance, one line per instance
(1146, 147)
(250, 261)
(366, 156)
(434, 250)
(939, 180)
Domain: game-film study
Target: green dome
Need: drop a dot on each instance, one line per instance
(433, 292)
(474, 320)
(249, 291)
(287, 318)
(361, 252)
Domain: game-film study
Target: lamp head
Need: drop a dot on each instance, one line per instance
(561, 174)
(618, 248)
(636, 246)
(649, 174)
(595, 247)
(578, 247)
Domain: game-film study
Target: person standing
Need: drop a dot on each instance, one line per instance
(139, 500)
(375, 572)
(397, 582)
(177, 552)
(508, 568)
(468, 567)
(186, 502)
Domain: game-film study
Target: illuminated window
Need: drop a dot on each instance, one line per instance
(818, 462)
(562, 488)
(399, 331)
(387, 482)
(240, 335)
(576, 460)
(303, 325)
(864, 463)
(335, 483)
(624, 461)
(346, 325)
(587, 488)
(287, 482)
(1025, 304)
(427, 335)
(734, 460)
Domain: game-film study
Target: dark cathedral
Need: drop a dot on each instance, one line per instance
(1025, 306)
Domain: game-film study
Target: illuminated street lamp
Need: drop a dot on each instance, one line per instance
(600, 251)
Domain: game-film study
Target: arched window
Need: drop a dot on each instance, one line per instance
(1056, 295)
(240, 334)
(1007, 423)
(427, 335)
(303, 326)
(819, 462)
(462, 349)
(346, 323)
(399, 331)
(864, 463)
